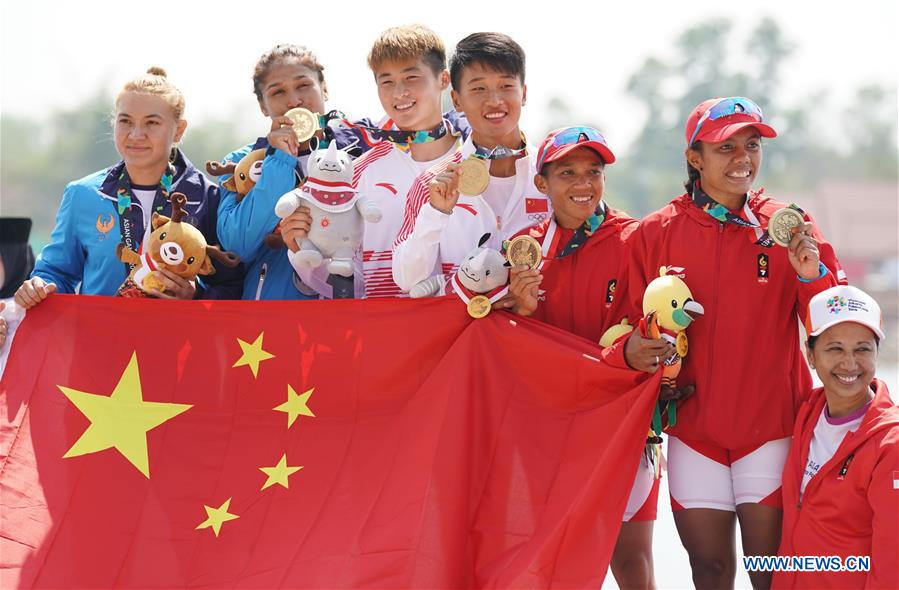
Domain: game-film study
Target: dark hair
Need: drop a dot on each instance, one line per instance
(494, 50)
(409, 42)
(284, 52)
(692, 173)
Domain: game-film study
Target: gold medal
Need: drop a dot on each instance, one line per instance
(680, 344)
(781, 224)
(305, 123)
(524, 250)
(475, 176)
(478, 306)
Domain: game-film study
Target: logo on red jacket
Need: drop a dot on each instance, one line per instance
(537, 209)
(762, 270)
(610, 291)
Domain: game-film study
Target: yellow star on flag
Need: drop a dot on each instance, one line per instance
(216, 516)
(121, 420)
(252, 354)
(296, 405)
(279, 473)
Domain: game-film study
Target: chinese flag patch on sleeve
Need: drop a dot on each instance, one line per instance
(536, 205)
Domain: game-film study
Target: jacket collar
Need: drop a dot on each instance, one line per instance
(684, 204)
(185, 180)
(882, 414)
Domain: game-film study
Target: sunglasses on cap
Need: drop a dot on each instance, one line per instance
(571, 136)
(726, 107)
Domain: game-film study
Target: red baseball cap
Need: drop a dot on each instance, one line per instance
(562, 141)
(716, 119)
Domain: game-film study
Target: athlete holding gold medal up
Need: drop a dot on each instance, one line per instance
(567, 272)
(727, 451)
(487, 185)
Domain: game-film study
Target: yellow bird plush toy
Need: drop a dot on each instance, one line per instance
(668, 308)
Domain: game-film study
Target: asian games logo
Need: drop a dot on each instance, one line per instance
(836, 304)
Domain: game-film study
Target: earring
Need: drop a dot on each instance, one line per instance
(173, 155)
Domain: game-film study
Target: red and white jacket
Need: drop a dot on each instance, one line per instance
(584, 292)
(385, 175)
(851, 505)
(745, 358)
(431, 242)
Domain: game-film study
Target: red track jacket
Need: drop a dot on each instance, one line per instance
(582, 292)
(744, 357)
(853, 515)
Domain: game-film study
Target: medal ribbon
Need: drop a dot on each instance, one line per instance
(466, 294)
(125, 200)
(372, 135)
(724, 215)
(500, 152)
(583, 233)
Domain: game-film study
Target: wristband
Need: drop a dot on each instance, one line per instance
(822, 272)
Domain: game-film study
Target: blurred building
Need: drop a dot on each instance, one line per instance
(861, 220)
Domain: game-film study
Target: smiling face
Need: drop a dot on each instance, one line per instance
(574, 184)
(728, 169)
(845, 358)
(288, 84)
(492, 101)
(145, 129)
(410, 93)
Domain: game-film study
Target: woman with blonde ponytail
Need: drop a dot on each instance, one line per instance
(115, 205)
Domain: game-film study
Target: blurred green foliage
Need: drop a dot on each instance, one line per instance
(707, 62)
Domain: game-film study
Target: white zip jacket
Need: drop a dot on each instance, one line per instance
(384, 174)
(431, 242)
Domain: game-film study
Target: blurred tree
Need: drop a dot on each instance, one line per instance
(870, 124)
(707, 62)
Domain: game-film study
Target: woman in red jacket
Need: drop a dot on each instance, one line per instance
(584, 256)
(727, 449)
(841, 481)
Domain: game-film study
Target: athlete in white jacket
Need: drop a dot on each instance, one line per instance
(432, 242)
(409, 67)
(441, 225)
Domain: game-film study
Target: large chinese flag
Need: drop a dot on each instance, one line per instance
(309, 445)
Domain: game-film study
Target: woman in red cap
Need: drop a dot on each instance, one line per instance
(726, 451)
(574, 288)
(841, 482)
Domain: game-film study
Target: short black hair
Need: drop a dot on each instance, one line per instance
(494, 50)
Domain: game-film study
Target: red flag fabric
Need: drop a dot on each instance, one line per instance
(336, 444)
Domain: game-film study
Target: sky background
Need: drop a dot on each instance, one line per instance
(56, 55)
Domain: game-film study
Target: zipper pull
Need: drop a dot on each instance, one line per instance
(262, 273)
